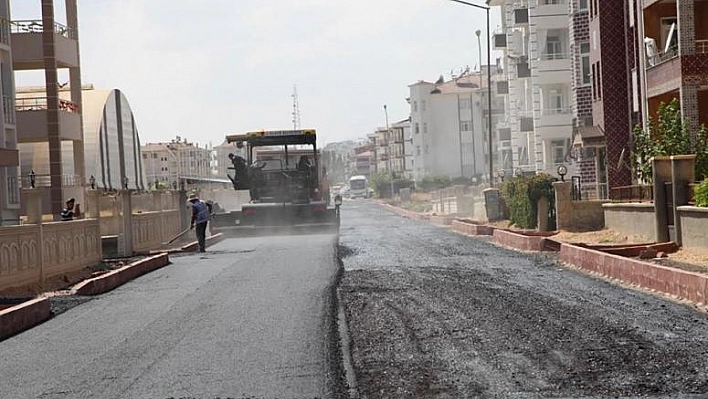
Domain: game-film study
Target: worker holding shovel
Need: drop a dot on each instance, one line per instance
(200, 218)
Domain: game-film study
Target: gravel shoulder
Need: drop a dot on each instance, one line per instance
(436, 315)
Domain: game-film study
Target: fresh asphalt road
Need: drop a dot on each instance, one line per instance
(244, 320)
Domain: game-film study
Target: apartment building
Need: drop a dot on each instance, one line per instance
(673, 35)
(448, 127)
(46, 45)
(9, 155)
(399, 136)
(177, 162)
(362, 162)
(535, 39)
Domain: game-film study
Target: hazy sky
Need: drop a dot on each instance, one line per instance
(205, 68)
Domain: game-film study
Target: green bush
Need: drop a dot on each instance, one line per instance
(521, 195)
(700, 194)
(668, 135)
(429, 183)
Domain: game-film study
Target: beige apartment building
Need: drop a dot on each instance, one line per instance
(176, 163)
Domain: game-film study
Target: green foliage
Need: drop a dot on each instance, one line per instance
(668, 135)
(381, 183)
(700, 194)
(428, 183)
(521, 195)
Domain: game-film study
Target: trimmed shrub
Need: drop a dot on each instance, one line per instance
(700, 194)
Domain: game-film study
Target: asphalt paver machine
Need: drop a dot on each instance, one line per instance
(283, 175)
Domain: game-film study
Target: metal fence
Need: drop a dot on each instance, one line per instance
(633, 193)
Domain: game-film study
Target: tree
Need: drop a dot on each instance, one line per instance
(669, 135)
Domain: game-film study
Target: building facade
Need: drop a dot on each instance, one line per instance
(535, 39)
(174, 163)
(448, 127)
(43, 117)
(112, 159)
(9, 155)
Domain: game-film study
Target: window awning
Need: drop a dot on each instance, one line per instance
(588, 135)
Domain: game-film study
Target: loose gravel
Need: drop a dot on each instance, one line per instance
(433, 314)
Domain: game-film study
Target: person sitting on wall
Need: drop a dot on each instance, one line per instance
(70, 210)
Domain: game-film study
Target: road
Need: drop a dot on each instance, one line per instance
(249, 319)
(433, 314)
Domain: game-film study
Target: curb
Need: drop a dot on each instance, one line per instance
(115, 278)
(470, 229)
(522, 242)
(23, 316)
(406, 213)
(679, 283)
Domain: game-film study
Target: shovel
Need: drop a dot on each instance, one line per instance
(176, 237)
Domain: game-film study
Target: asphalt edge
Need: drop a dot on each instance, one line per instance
(349, 387)
(24, 316)
(109, 281)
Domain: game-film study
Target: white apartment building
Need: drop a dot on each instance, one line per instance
(448, 128)
(536, 45)
(175, 162)
(9, 155)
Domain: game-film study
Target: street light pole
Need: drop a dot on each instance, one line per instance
(489, 82)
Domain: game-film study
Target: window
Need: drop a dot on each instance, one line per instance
(417, 128)
(415, 106)
(425, 128)
(465, 103)
(555, 101)
(526, 124)
(422, 105)
(466, 126)
(522, 70)
(426, 148)
(583, 4)
(505, 134)
(558, 151)
(417, 150)
(553, 48)
(585, 62)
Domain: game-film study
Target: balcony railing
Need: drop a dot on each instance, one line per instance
(36, 26)
(555, 111)
(40, 103)
(8, 108)
(701, 46)
(635, 193)
(554, 56)
(45, 181)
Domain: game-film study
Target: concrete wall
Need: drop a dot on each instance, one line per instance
(577, 215)
(631, 218)
(31, 253)
(694, 221)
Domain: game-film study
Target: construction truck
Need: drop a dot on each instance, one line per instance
(283, 176)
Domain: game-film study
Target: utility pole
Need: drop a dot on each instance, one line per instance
(296, 109)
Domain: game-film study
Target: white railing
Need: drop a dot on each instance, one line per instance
(37, 26)
(555, 111)
(554, 56)
(46, 181)
(8, 108)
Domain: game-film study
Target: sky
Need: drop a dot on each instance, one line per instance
(202, 69)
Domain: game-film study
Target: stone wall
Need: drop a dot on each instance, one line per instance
(577, 215)
(30, 254)
(152, 229)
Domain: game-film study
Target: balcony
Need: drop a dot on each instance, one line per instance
(550, 68)
(555, 122)
(27, 45)
(9, 157)
(32, 120)
(552, 14)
